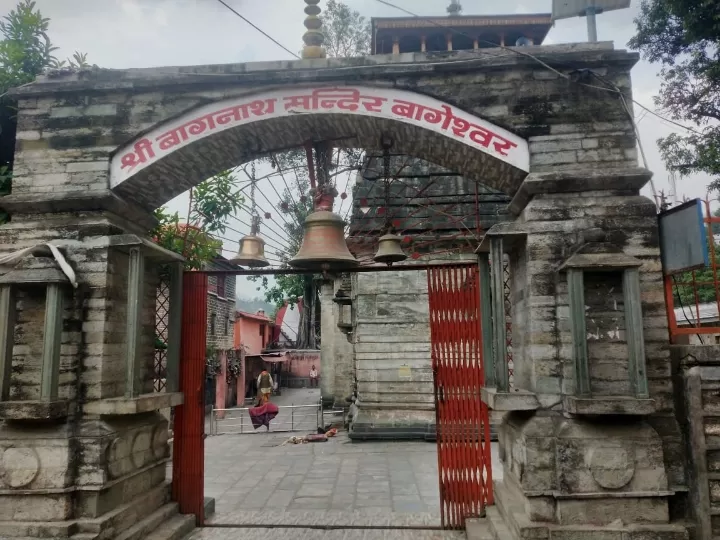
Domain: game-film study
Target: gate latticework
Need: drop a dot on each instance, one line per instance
(162, 324)
(463, 427)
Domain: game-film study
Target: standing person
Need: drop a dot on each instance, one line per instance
(265, 386)
(313, 377)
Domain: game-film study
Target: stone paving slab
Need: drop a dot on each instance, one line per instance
(316, 534)
(257, 480)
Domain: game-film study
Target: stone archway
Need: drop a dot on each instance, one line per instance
(173, 156)
(104, 454)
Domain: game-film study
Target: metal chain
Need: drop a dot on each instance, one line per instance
(386, 173)
(253, 208)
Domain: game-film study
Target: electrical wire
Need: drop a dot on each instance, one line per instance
(276, 42)
(537, 60)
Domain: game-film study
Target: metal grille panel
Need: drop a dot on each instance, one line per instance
(162, 318)
(463, 427)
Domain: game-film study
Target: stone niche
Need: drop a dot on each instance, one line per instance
(608, 375)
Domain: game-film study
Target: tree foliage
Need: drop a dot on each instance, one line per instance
(210, 205)
(25, 52)
(684, 37)
(347, 33)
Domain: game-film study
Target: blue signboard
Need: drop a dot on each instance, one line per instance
(683, 238)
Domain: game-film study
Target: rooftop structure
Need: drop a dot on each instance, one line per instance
(458, 32)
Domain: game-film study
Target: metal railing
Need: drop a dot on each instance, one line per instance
(236, 421)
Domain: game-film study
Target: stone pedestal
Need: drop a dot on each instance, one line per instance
(590, 444)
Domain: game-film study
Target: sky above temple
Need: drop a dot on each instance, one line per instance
(146, 33)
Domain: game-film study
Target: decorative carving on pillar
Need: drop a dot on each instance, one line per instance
(159, 443)
(141, 451)
(115, 455)
(611, 467)
(21, 467)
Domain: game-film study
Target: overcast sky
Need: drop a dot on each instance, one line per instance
(146, 33)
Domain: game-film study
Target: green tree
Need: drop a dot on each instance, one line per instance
(347, 33)
(683, 36)
(211, 203)
(25, 51)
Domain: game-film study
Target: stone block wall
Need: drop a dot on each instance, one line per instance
(223, 309)
(696, 372)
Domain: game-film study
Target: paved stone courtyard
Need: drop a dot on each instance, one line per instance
(257, 480)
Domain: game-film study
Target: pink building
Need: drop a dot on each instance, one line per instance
(252, 335)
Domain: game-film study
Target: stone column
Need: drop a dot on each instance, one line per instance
(99, 466)
(391, 334)
(328, 329)
(585, 449)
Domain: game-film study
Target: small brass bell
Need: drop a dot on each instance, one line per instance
(323, 246)
(251, 253)
(389, 250)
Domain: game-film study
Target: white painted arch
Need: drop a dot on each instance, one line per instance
(205, 138)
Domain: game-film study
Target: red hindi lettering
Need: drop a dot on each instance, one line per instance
(231, 114)
(407, 109)
(261, 107)
(342, 98)
(503, 144)
(172, 138)
(142, 151)
(434, 116)
(460, 126)
(200, 125)
(372, 103)
(303, 101)
(481, 136)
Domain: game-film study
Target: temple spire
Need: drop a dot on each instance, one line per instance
(454, 8)
(314, 37)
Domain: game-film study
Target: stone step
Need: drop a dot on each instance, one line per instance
(128, 514)
(19, 530)
(497, 526)
(151, 523)
(175, 528)
(478, 529)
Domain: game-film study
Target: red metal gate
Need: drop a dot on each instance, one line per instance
(463, 428)
(189, 424)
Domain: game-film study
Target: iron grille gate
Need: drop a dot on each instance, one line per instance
(463, 428)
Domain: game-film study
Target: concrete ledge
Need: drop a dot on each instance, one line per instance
(594, 406)
(33, 411)
(519, 400)
(140, 404)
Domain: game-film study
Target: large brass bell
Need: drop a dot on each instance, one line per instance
(389, 250)
(251, 253)
(323, 246)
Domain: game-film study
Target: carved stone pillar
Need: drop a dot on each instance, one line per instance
(83, 449)
(589, 439)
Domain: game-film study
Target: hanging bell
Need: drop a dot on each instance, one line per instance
(323, 246)
(389, 250)
(251, 253)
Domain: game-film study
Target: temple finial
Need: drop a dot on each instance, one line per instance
(314, 37)
(454, 8)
